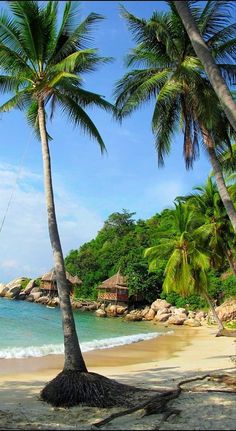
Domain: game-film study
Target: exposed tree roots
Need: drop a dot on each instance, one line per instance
(226, 333)
(158, 403)
(70, 388)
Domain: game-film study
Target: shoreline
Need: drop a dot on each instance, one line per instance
(156, 364)
(170, 347)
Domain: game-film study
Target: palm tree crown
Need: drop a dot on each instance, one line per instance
(41, 62)
(188, 262)
(170, 73)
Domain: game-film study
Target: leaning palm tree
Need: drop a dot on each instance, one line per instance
(42, 65)
(204, 54)
(169, 73)
(188, 260)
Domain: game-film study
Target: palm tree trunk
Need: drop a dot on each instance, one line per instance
(211, 68)
(73, 356)
(223, 192)
(231, 260)
(215, 315)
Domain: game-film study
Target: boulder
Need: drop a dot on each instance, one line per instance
(120, 310)
(33, 297)
(133, 317)
(200, 315)
(192, 322)
(227, 310)
(3, 289)
(191, 314)
(29, 287)
(100, 313)
(42, 300)
(53, 302)
(35, 290)
(14, 287)
(175, 310)
(111, 310)
(150, 315)
(159, 304)
(145, 311)
(93, 306)
(176, 319)
(13, 292)
(162, 317)
(22, 296)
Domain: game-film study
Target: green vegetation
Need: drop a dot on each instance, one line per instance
(24, 283)
(180, 255)
(165, 71)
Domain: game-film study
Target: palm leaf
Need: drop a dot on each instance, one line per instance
(79, 117)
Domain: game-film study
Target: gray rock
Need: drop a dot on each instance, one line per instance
(176, 319)
(159, 304)
(192, 322)
(100, 313)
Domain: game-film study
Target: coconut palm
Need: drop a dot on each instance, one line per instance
(188, 260)
(168, 71)
(42, 65)
(204, 54)
(215, 229)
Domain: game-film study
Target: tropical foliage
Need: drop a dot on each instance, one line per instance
(166, 71)
(194, 233)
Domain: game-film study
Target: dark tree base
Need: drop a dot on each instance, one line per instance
(70, 388)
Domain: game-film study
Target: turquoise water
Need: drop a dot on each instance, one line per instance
(28, 329)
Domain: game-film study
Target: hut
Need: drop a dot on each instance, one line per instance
(48, 283)
(114, 289)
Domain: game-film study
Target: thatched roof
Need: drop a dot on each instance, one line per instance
(116, 281)
(51, 276)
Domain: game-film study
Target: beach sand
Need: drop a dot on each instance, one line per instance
(157, 364)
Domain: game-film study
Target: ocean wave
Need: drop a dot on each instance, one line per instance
(87, 346)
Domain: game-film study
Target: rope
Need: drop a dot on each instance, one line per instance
(22, 159)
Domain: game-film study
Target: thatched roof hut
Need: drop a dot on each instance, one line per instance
(114, 289)
(49, 282)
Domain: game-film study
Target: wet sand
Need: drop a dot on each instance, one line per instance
(159, 363)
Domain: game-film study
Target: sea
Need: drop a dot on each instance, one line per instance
(34, 330)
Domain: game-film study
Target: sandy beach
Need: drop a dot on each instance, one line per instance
(157, 364)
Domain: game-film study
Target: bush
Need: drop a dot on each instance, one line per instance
(191, 302)
(24, 283)
(229, 286)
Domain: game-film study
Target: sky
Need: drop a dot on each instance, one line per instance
(88, 186)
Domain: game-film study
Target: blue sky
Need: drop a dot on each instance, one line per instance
(88, 186)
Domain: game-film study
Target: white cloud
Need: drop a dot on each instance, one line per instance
(24, 243)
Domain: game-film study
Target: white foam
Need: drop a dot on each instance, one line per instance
(55, 349)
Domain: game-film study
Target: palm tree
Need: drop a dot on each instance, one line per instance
(42, 65)
(204, 54)
(188, 261)
(215, 229)
(169, 72)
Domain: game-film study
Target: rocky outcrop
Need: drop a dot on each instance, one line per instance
(227, 310)
(160, 311)
(13, 289)
(159, 304)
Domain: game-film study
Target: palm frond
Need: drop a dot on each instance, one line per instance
(69, 41)
(20, 101)
(79, 117)
(29, 22)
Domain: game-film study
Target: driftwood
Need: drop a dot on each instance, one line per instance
(156, 404)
